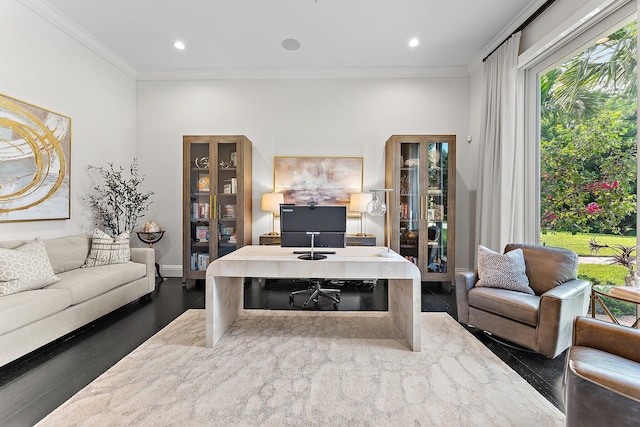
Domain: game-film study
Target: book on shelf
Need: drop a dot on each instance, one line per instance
(199, 261)
(230, 186)
(200, 210)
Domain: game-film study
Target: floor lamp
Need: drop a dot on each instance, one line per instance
(377, 207)
(358, 202)
(271, 203)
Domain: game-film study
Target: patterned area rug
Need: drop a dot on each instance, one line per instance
(277, 368)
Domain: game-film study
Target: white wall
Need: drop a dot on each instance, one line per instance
(351, 117)
(43, 66)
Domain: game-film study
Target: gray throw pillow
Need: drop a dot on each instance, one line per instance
(506, 271)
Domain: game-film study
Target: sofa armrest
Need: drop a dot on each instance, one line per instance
(558, 308)
(146, 256)
(465, 281)
(620, 340)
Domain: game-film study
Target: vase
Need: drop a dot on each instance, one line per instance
(631, 279)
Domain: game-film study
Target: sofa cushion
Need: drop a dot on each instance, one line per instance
(24, 268)
(67, 253)
(506, 271)
(547, 266)
(86, 283)
(107, 250)
(24, 308)
(518, 306)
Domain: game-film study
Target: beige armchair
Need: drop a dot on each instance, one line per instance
(602, 375)
(542, 322)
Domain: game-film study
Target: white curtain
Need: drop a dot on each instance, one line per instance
(500, 197)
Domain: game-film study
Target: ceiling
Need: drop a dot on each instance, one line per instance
(245, 35)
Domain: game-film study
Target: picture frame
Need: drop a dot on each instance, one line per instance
(35, 162)
(202, 233)
(324, 181)
(203, 183)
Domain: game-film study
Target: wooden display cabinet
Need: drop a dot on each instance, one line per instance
(421, 171)
(216, 199)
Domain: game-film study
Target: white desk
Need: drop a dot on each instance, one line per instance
(225, 277)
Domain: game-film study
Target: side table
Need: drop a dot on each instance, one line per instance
(361, 240)
(352, 239)
(620, 293)
(270, 239)
(150, 238)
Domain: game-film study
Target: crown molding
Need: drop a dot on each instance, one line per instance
(310, 73)
(44, 9)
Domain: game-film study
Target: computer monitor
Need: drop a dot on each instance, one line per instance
(297, 221)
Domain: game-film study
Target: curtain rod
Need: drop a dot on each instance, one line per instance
(523, 25)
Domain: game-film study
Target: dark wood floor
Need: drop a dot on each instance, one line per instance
(35, 385)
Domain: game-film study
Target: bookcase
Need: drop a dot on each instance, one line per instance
(216, 199)
(421, 171)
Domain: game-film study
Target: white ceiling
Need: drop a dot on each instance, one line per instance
(244, 35)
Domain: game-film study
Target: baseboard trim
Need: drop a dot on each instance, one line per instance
(171, 270)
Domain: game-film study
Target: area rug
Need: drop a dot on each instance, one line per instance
(277, 368)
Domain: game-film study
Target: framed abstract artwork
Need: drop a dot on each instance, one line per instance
(318, 180)
(35, 162)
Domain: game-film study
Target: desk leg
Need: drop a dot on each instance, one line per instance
(223, 303)
(404, 308)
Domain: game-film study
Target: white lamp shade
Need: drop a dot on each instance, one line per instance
(271, 202)
(358, 202)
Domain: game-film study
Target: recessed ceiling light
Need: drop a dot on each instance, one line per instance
(178, 45)
(291, 44)
(414, 42)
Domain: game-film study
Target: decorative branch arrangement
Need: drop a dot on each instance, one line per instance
(120, 200)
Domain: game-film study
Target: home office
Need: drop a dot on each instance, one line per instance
(127, 103)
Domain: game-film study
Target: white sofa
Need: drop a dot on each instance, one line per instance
(33, 318)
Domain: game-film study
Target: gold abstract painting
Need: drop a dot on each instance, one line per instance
(317, 180)
(35, 153)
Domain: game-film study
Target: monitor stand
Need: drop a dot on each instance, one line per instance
(312, 256)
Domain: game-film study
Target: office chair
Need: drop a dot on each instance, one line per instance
(316, 291)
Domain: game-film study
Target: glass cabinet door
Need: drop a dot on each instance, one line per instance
(201, 206)
(227, 190)
(410, 197)
(437, 206)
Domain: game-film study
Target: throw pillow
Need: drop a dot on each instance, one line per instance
(503, 271)
(25, 268)
(107, 250)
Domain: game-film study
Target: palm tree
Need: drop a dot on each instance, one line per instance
(579, 87)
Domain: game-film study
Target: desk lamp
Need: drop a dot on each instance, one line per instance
(271, 203)
(358, 202)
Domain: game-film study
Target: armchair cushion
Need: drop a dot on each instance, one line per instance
(511, 305)
(547, 267)
(502, 271)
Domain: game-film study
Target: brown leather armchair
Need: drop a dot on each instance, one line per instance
(602, 375)
(542, 322)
